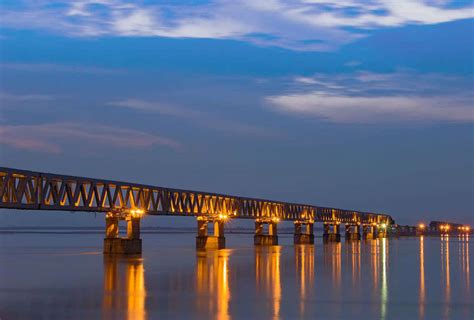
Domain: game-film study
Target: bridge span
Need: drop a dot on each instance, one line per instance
(29, 190)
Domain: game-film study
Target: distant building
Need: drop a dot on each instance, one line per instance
(436, 225)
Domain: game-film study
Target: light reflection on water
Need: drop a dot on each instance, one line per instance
(267, 275)
(421, 278)
(421, 301)
(212, 284)
(304, 268)
(446, 276)
(124, 287)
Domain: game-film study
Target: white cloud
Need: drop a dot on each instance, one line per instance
(373, 98)
(299, 25)
(54, 137)
(373, 109)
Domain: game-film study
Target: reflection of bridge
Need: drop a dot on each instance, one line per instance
(20, 189)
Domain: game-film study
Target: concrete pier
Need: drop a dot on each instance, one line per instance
(381, 233)
(352, 232)
(204, 241)
(265, 239)
(304, 233)
(132, 244)
(331, 232)
(369, 232)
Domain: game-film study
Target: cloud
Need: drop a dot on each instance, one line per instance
(297, 25)
(53, 137)
(373, 98)
(200, 118)
(47, 67)
(8, 97)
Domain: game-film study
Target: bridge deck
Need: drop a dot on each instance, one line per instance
(21, 189)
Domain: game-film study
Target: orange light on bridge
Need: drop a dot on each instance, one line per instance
(276, 219)
(223, 217)
(137, 213)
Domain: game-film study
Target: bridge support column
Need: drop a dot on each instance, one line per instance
(381, 233)
(369, 232)
(132, 244)
(205, 241)
(262, 239)
(331, 232)
(304, 232)
(352, 232)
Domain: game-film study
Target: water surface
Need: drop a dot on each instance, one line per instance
(65, 276)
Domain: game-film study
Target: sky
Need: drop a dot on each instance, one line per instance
(364, 105)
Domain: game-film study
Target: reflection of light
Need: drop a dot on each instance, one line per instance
(267, 272)
(374, 263)
(305, 265)
(445, 268)
(464, 251)
(124, 275)
(212, 280)
(422, 278)
(384, 289)
(337, 262)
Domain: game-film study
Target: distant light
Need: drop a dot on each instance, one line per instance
(421, 226)
(276, 219)
(448, 227)
(383, 225)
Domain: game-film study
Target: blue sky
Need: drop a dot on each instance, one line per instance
(353, 104)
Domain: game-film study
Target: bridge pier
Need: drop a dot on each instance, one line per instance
(132, 244)
(352, 232)
(266, 239)
(204, 240)
(369, 232)
(331, 232)
(381, 232)
(305, 236)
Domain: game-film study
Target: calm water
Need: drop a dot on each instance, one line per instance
(63, 276)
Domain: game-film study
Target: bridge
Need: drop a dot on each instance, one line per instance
(29, 190)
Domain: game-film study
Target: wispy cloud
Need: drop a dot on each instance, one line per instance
(8, 97)
(47, 67)
(54, 137)
(200, 118)
(299, 25)
(372, 98)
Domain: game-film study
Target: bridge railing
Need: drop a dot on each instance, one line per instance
(21, 189)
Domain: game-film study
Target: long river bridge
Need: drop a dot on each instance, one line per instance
(29, 190)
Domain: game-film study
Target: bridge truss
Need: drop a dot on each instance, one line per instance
(21, 189)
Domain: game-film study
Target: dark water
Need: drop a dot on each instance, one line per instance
(62, 276)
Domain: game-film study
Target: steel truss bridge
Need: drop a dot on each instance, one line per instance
(21, 189)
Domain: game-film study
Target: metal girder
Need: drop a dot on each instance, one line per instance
(21, 189)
